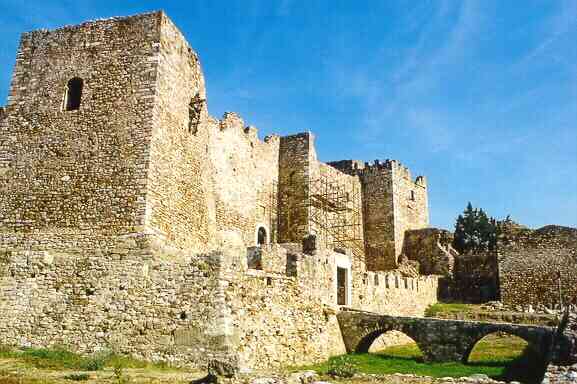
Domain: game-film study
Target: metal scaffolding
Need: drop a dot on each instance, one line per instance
(335, 213)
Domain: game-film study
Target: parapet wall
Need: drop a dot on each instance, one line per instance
(530, 262)
(393, 294)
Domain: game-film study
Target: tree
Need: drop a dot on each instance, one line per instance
(475, 231)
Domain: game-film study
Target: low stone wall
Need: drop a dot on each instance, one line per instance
(393, 294)
(529, 264)
(127, 293)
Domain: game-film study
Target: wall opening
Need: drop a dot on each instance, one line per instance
(511, 356)
(342, 286)
(254, 258)
(73, 94)
(261, 236)
(194, 113)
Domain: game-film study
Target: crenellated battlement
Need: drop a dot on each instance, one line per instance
(359, 168)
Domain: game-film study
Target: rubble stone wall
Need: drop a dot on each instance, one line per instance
(179, 200)
(431, 247)
(247, 172)
(83, 168)
(529, 263)
(129, 294)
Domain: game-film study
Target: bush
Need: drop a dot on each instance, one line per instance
(95, 363)
(77, 376)
(342, 366)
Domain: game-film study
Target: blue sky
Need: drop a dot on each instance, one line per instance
(480, 96)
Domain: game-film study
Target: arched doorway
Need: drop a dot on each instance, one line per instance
(512, 358)
(261, 236)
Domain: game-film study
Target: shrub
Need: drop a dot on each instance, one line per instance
(342, 366)
(77, 376)
(118, 370)
(95, 363)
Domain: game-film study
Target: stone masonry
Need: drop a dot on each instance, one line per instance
(132, 219)
(534, 265)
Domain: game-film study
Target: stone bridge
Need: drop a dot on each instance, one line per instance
(439, 339)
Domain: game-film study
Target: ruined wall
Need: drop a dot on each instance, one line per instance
(431, 248)
(475, 278)
(284, 318)
(529, 261)
(83, 169)
(130, 293)
(179, 202)
(246, 175)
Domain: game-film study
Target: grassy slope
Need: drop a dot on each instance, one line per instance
(449, 308)
(47, 366)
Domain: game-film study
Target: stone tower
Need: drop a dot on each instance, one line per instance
(105, 193)
(101, 132)
(392, 204)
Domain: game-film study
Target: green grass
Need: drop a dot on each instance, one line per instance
(503, 358)
(449, 308)
(59, 358)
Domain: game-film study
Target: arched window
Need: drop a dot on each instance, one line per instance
(73, 94)
(261, 236)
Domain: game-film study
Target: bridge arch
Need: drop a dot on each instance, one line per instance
(369, 338)
(534, 340)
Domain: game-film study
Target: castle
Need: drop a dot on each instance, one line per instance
(130, 218)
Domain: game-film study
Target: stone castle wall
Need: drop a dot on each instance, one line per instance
(83, 169)
(431, 248)
(180, 203)
(246, 171)
(529, 263)
(129, 294)
(125, 224)
(393, 203)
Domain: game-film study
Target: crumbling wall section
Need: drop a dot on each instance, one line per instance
(531, 262)
(431, 248)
